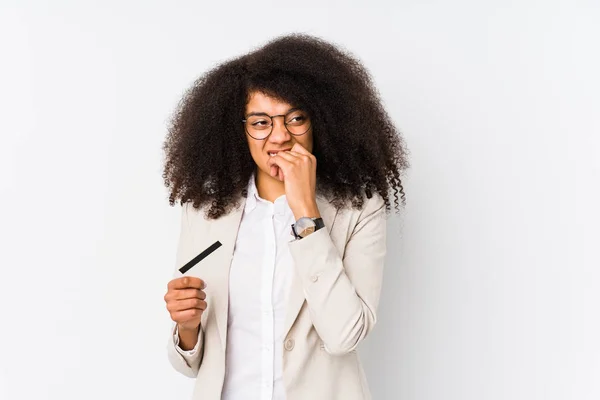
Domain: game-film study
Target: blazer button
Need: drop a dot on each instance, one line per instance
(289, 344)
(314, 278)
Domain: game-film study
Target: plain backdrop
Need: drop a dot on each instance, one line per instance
(492, 284)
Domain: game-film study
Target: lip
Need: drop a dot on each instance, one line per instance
(277, 151)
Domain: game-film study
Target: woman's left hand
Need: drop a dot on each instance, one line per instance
(298, 170)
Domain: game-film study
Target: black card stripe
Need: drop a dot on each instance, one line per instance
(200, 257)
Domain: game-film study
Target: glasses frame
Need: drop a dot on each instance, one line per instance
(273, 123)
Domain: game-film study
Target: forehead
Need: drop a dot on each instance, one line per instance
(264, 103)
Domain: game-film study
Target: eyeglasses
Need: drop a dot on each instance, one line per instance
(260, 125)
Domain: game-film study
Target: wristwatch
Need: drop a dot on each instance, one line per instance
(305, 226)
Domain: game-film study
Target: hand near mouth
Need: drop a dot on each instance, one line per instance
(297, 168)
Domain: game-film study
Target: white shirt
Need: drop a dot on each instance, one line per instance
(259, 281)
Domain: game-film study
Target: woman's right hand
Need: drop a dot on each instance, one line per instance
(185, 300)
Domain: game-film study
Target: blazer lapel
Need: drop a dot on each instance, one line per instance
(296, 294)
(216, 269)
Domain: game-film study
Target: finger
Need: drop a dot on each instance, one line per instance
(183, 294)
(298, 148)
(187, 304)
(296, 158)
(300, 151)
(280, 161)
(287, 155)
(186, 282)
(274, 170)
(186, 315)
(281, 165)
(304, 157)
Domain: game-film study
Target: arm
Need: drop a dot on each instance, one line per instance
(186, 361)
(343, 294)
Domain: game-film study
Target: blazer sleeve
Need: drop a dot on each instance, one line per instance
(342, 292)
(187, 363)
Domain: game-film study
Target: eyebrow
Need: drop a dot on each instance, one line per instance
(264, 113)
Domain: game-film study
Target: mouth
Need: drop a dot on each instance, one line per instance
(273, 153)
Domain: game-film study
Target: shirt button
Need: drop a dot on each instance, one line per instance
(289, 344)
(314, 278)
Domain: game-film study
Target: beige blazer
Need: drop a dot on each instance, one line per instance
(331, 306)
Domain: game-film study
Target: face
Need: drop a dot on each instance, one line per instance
(280, 138)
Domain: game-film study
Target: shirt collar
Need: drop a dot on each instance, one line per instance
(280, 205)
(252, 194)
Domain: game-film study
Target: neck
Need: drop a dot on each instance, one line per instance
(268, 188)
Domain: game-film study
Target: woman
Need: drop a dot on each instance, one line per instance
(285, 163)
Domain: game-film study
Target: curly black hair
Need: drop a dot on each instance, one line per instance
(357, 147)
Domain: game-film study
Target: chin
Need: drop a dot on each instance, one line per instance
(262, 169)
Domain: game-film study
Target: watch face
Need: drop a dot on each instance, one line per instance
(305, 226)
(306, 231)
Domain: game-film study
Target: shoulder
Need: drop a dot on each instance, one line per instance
(372, 214)
(201, 213)
(374, 204)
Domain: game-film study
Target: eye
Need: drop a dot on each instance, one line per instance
(259, 123)
(297, 119)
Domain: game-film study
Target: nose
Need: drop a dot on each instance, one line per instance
(280, 133)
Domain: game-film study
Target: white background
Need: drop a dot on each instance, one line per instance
(492, 280)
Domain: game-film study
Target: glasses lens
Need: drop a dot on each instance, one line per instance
(258, 126)
(297, 122)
